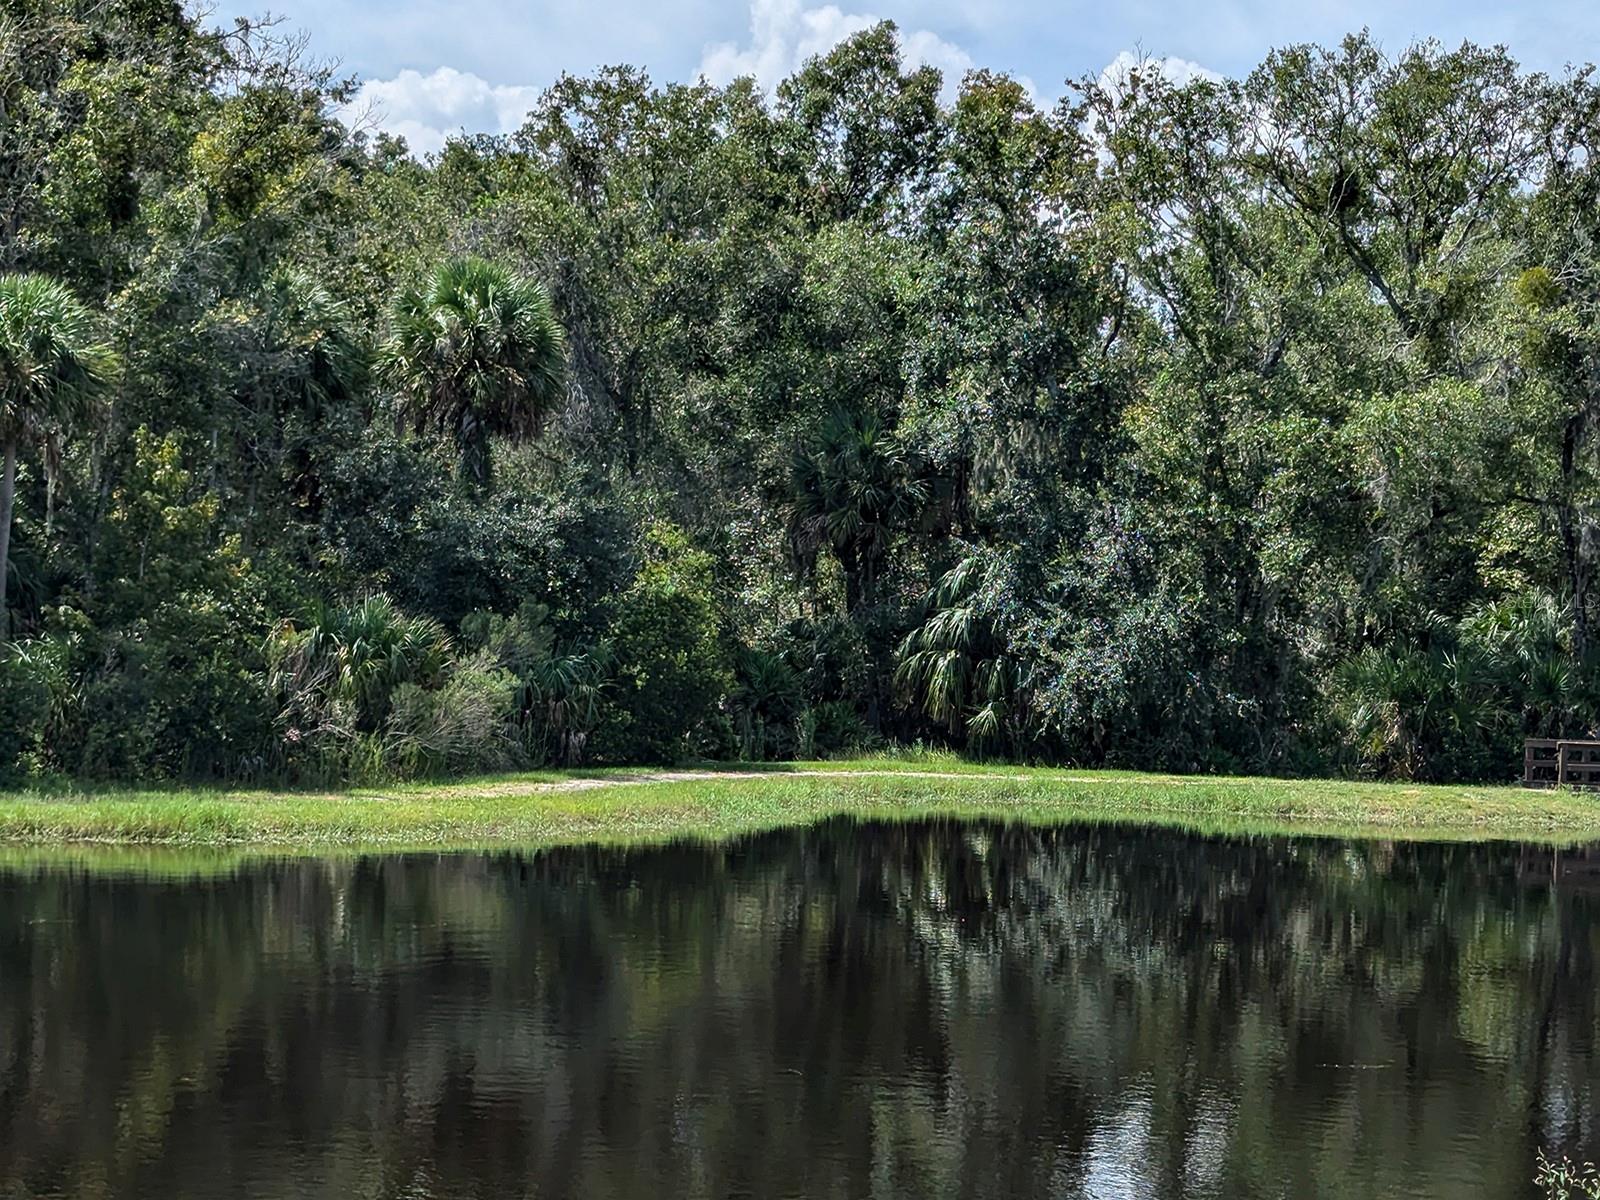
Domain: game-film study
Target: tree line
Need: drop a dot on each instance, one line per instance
(1239, 424)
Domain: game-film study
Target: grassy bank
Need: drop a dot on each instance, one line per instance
(554, 808)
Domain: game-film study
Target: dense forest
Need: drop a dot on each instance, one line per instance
(1245, 425)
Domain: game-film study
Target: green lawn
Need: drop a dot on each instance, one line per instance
(552, 808)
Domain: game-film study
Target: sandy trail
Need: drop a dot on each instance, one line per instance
(634, 778)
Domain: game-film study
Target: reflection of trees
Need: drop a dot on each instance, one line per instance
(921, 1009)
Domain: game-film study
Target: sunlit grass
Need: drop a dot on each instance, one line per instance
(559, 808)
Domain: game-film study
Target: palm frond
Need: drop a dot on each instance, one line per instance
(475, 352)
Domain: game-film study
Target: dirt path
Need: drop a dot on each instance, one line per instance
(706, 776)
(634, 778)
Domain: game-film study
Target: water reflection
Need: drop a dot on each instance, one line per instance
(909, 1010)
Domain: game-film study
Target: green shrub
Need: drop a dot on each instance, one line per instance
(157, 672)
(831, 729)
(1414, 713)
(832, 656)
(766, 707)
(367, 692)
(24, 706)
(1457, 701)
(465, 725)
(174, 693)
(671, 672)
(337, 674)
(559, 692)
(956, 667)
(388, 524)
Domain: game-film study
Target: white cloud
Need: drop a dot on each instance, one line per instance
(783, 35)
(1179, 72)
(427, 109)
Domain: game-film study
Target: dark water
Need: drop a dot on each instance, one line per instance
(849, 1011)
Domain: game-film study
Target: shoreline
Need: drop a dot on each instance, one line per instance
(633, 805)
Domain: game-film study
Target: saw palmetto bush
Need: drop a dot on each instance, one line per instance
(559, 690)
(1459, 704)
(767, 704)
(1548, 688)
(1411, 712)
(336, 673)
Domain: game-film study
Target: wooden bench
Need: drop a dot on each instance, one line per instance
(1560, 762)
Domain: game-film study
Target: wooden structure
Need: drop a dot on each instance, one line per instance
(1560, 762)
(1572, 869)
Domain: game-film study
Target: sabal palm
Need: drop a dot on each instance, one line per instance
(52, 365)
(852, 488)
(476, 353)
(956, 666)
(308, 343)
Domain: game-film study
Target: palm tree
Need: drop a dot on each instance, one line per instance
(295, 362)
(476, 353)
(853, 487)
(51, 369)
(956, 666)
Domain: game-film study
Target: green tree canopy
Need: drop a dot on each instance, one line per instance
(52, 367)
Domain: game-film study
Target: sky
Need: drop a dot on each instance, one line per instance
(430, 68)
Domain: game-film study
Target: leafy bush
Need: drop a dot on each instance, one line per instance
(559, 692)
(466, 724)
(1410, 713)
(176, 693)
(832, 656)
(387, 525)
(158, 672)
(766, 706)
(1456, 702)
(24, 706)
(671, 671)
(336, 676)
(833, 728)
(369, 691)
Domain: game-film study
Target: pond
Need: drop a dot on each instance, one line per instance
(851, 1010)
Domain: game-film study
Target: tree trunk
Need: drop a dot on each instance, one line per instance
(1572, 537)
(247, 536)
(472, 442)
(8, 489)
